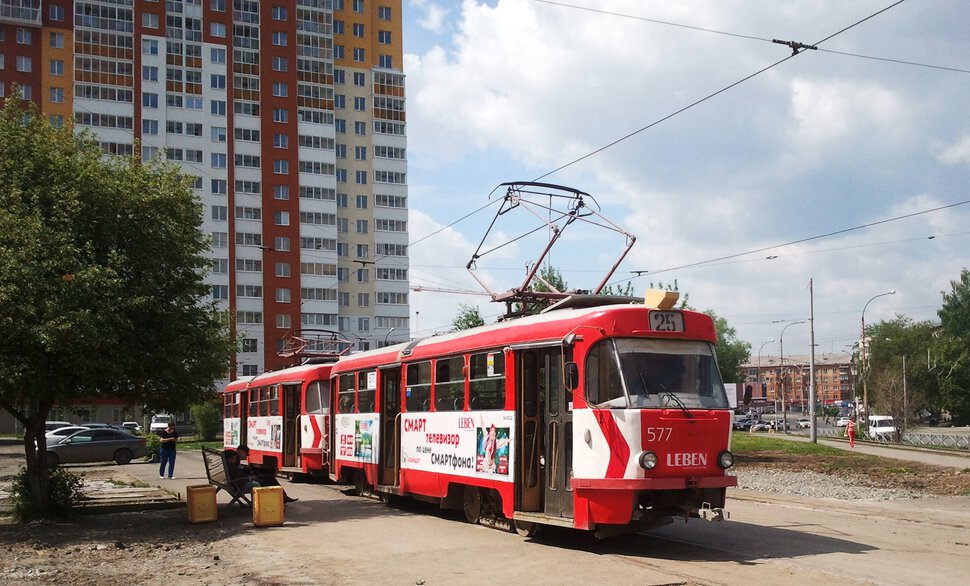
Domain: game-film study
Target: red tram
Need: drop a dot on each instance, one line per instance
(591, 415)
(284, 418)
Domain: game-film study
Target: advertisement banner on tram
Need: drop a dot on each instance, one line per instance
(357, 437)
(462, 443)
(265, 433)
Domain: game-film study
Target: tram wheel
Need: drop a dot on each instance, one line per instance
(526, 528)
(472, 504)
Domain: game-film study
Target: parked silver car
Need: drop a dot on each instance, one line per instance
(96, 445)
(55, 436)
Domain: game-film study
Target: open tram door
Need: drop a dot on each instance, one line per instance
(389, 469)
(291, 425)
(544, 459)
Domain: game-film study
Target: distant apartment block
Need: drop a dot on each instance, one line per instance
(289, 115)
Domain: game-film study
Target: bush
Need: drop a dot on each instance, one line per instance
(208, 421)
(153, 443)
(65, 492)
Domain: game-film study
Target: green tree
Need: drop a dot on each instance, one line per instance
(468, 317)
(953, 350)
(208, 420)
(889, 341)
(102, 291)
(732, 353)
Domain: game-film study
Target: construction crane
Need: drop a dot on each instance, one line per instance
(443, 290)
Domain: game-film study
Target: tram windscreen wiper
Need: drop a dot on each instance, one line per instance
(673, 398)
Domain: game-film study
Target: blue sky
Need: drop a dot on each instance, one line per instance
(829, 140)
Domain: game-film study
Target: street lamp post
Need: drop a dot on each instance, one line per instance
(864, 356)
(386, 335)
(781, 351)
(759, 361)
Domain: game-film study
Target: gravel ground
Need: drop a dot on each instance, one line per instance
(816, 485)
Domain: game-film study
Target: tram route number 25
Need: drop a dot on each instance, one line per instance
(666, 321)
(659, 434)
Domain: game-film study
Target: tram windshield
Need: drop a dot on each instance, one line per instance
(637, 373)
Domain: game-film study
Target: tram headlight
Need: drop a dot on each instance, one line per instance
(725, 459)
(647, 460)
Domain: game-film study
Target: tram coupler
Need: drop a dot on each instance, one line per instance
(709, 513)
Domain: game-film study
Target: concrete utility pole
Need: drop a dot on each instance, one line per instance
(811, 374)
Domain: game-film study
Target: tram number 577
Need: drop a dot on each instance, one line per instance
(666, 321)
(659, 434)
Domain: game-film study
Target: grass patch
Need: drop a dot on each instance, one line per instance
(748, 443)
(195, 444)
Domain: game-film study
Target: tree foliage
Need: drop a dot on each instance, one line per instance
(889, 341)
(208, 420)
(952, 351)
(468, 317)
(732, 353)
(102, 291)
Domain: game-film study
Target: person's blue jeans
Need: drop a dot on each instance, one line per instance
(166, 457)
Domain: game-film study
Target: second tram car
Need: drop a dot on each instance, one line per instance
(591, 415)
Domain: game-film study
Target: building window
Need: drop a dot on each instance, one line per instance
(340, 101)
(217, 81)
(57, 67)
(217, 29)
(363, 300)
(217, 107)
(281, 218)
(360, 153)
(360, 104)
(220, 292)
(57, 95)
(359, 54)
(384, 37)
(359, 79)
(283, 320)
(360, 177)
(219, 160)
(384, 13)
(218, 133)
(362, 226)
(385, 61)
(24, 36)
(24, 64)
(360, 128)
(56, 12)
(279, 13)
(281, 141)
(358, 6)
(149, 73)
(338, 76)
(281, 192)
(358, 30)
(279, 38)
(149, 47)
(338, 51)
(149, 20)
(361, 202)
(149, 126)
(57, 40)
(149, 100)
(362, 250)
(282, 243)
(280, 63)
(281, 167)
(280, 115)
(217, 55)
(283, 295)
(250, 345)
(280, 89)
(220, 186)
(283, 269)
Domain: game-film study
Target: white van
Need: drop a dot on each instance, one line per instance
(159, 422)
(882, 427)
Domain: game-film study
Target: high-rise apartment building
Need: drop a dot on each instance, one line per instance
(289, 115)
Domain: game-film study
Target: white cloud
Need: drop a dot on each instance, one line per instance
(957, 154)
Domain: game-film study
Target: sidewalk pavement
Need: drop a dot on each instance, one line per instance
(947, 458)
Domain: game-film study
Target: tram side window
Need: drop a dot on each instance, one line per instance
(449, 385)
(486, 375)
(231, 408)
(345, 394)
(253, 409)
(603, 386)
(318, 397)
(366, 389)
(274, 400)
(418, 387)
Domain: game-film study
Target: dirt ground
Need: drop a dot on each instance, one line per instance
(160, 546)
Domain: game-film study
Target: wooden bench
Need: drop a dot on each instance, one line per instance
(217, 471)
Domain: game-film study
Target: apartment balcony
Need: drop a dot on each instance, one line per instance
(21, 12)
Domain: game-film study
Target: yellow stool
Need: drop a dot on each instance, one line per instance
(201, 501)
(267, 506)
